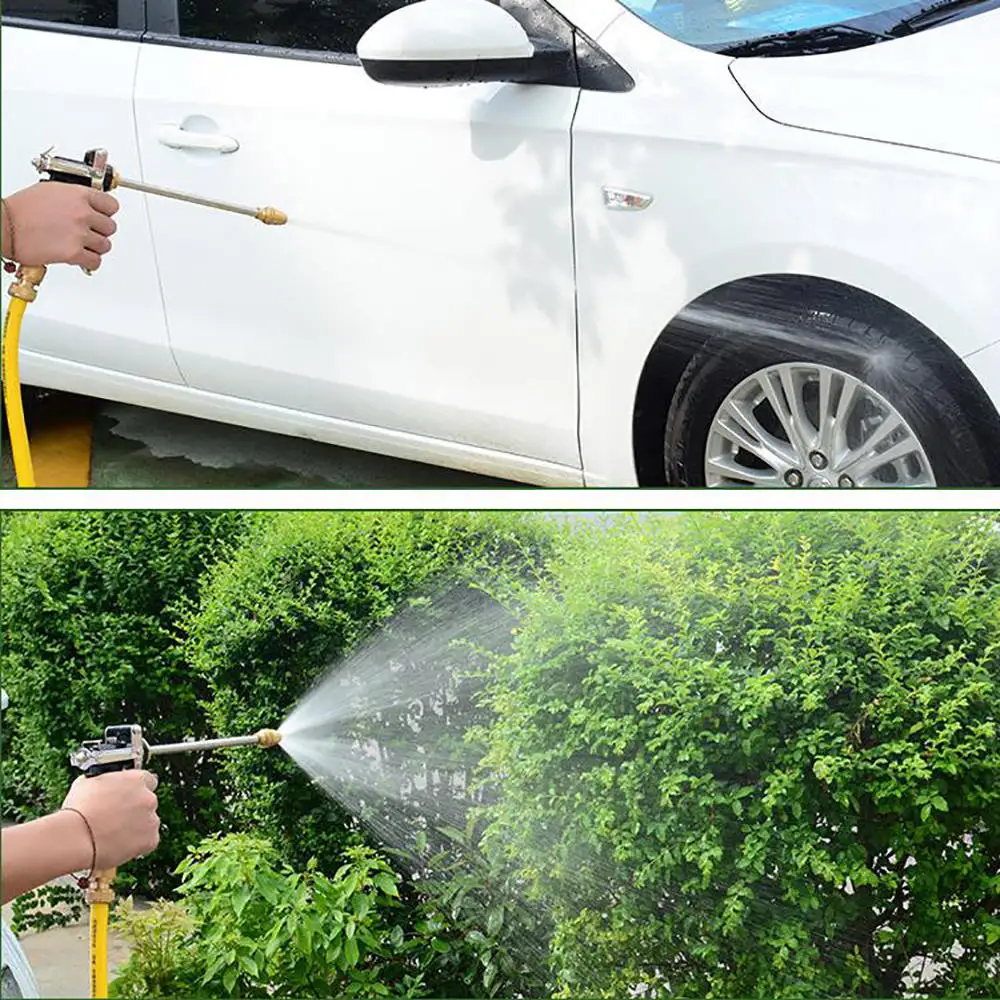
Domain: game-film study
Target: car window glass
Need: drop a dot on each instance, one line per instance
(724, 22)
(94, 13)
(317, 25)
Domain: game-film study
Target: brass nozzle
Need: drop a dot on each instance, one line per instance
(26, 284)
(269, 737)
(271, 217)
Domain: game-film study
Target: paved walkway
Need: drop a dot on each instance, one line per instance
(60, 957)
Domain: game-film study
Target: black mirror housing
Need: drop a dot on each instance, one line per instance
(549, 64)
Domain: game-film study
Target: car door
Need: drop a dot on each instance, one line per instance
(424, 282)
(68, 70)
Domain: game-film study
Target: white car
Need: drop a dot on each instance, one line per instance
(648, 242)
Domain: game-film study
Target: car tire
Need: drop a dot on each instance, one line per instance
(714, 402)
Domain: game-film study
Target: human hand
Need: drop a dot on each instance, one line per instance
(53, 223)
(121, 809)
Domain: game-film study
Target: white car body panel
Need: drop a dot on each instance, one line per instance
(54, 94)
(424, 282)
(822, 205)
(444, 256)
(937, 89)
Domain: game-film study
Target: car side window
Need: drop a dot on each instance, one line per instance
(89, 13)
(313, 25)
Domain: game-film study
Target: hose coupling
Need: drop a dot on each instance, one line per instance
(25, 286)
(99, 887)
(268, 737)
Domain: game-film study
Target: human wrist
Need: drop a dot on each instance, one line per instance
(74, 838)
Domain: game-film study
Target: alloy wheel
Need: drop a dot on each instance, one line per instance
(810, 425)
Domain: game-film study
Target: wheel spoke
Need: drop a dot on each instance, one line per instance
(826, 415)
(868, 463)
(800, 422)
(888, 427)
(845, 405)
(729, 468)
(778, 404)
(749, 433)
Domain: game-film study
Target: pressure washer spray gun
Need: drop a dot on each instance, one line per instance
(124, 748)
(92, 171)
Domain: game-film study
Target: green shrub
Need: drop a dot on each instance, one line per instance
(88, 601)
(250, 926)
(163, 955)
(758, 755)
(303, 589)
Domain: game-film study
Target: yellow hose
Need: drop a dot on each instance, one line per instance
(99, 950)
(12, 394)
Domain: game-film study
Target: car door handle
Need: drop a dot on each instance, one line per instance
(179, 138)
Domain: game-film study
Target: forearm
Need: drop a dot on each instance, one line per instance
(35, 853)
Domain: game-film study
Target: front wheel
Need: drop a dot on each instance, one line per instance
(851, 407)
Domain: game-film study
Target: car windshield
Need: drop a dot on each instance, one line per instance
(739, 26)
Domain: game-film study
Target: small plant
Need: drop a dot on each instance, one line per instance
(162, 962)
(250, 926)
(46, 907)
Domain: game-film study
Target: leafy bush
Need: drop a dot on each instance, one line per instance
(88, 601)
(250, 926)
(303, 589)
(757, 755)
(163, 960)
(489, 942)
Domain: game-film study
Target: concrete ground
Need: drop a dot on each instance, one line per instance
(77, 441)
(60, 957)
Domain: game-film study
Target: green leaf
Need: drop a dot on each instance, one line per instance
(229, 979)
(939, 803)
(494, 921)
(387, 884)
(250, 965)
(396, 937)
(351, 952)
(240, 899)
(489, 975)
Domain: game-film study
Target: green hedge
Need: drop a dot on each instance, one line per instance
(302, 590)
(758, 755)
(88, 608)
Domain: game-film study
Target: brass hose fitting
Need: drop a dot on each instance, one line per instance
(25, 287)
(268, 737)
(99, 888)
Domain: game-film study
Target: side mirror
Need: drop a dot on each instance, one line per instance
(448, 42)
